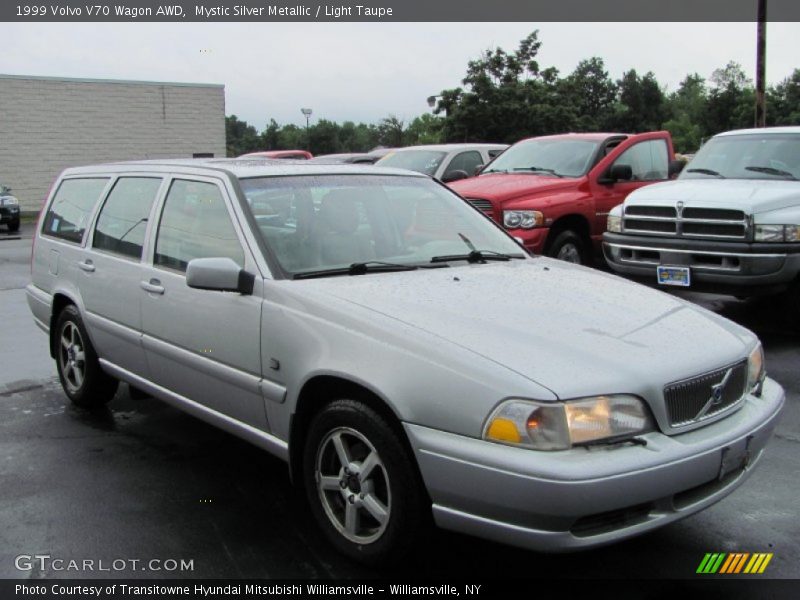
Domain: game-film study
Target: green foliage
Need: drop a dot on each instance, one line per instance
(507, 96)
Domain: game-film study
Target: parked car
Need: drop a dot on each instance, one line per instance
(350, 158)
(399, 350)
(445, 162)
(554, 192)
(729, 224)
(9, 209)
(281, 154)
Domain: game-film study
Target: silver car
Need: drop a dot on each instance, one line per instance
(400, 351)
(445, 162)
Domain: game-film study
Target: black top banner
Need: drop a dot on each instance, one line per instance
(398, 10)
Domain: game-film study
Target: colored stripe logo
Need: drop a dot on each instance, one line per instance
(734, 563)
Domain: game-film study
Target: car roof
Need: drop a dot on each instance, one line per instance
(598, 136)
(451, 147)
(241, 167)
(761, 131)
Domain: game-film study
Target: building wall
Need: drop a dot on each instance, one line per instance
(48, 124)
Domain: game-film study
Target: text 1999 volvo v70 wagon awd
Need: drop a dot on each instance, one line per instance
(399, 350)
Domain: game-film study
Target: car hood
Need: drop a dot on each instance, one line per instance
(573, 330)
(749, 195)
(502, 187)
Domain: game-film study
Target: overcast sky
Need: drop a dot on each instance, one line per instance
(365, 71)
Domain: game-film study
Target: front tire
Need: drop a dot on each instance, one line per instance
(569, 247)
(82, 378)
(13, 226)
(361, 484)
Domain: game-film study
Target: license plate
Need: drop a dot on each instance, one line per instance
(679, 276)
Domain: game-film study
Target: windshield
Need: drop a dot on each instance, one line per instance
(558, 157)
(421, 161)
(752, 156)
(313, 223)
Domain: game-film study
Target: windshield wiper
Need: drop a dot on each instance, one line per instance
(492, 171)
(539, 169)
(706, 172)
(771, 171)
(476, 256)
(360, 268)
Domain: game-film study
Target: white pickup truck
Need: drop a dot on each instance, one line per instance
(729, 224)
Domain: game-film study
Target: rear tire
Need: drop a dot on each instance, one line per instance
(13, 226)
(569, 247)
(82, 378)
(361, 484)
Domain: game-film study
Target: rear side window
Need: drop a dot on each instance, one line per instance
(71, 209)
(195, 224)
(122, 222)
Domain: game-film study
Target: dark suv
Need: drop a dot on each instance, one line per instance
(9, 209)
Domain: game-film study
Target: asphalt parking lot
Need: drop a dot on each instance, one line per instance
(141, 480)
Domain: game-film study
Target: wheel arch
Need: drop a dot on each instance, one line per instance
(574, 222)
(60, 301)
(320, 390)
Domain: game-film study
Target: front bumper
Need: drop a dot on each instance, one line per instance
(533, 239)
(585, 497)
(735, 267)
(9, 214)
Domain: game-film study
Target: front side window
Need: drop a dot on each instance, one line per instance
(122, 222)
(71, 209)
(543, 156)
(466, 161)
(195, 224)
(754, 156)
(421, 161)
(328, 222)
(649, 161)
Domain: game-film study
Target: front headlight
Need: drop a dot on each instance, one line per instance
(614, 224)
(777, 233)
(561, 425)
(522, 219)
(8, 201)
(755, 370)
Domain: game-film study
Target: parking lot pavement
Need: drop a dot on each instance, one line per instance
(141, 480)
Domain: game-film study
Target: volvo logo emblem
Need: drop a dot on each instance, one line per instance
(717, 395)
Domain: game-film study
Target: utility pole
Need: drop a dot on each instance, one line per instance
(307, 114)
(761, 65)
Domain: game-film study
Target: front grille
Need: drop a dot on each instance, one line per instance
(687, 399)
(719, 223)
(482, 205)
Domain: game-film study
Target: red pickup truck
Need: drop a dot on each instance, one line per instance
(554, 192)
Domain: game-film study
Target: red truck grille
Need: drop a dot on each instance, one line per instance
(482, 205)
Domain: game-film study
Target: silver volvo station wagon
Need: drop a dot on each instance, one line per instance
(399, 350)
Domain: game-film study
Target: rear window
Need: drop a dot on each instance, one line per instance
(71, 209)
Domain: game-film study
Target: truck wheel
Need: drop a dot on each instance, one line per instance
(13, 226)
(569, 247)
(361, 484)
(84, 382)
(790, 306)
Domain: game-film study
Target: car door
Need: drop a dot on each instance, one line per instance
(201, 344)
(111, 269)
(649, 162)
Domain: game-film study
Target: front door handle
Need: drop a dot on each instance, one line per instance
(87, 265)
(153, 286)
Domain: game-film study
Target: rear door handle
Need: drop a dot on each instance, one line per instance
(87, 265)
(153, 286)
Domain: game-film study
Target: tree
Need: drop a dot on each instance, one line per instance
(425, 129)
(641, 105)
(391, 131)
(590, 90)
(783, 101)
(731, 102)
(240, 137)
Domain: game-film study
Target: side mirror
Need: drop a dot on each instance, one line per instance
(219, 274)
(617, 173)
(454, 176)
(675, 167)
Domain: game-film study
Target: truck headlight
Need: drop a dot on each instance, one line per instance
(561, 425)
(755, 370)
(614, 224)
(9, 201)
(522, 219)
(777, 233)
